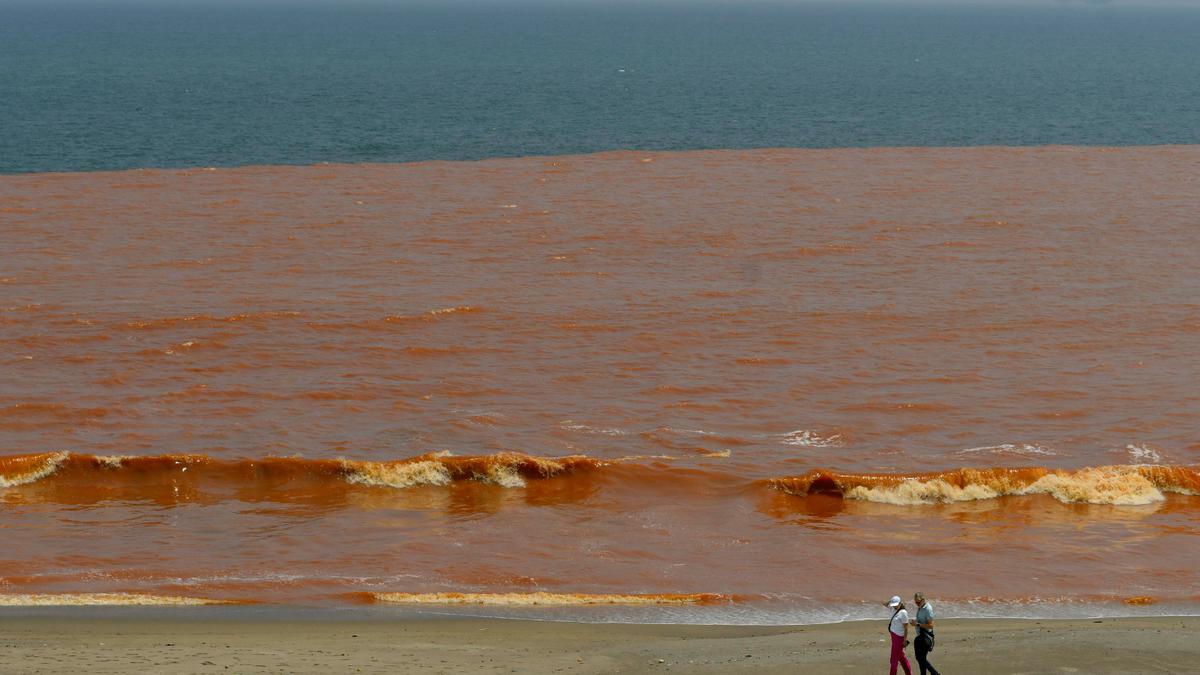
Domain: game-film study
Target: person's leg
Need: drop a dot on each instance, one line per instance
(897, 650)
(898, 657)
(921, 647)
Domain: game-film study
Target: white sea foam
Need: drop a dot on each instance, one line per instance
(794, 610)
(1143, 454)
(810, 439)
(568, 425)
(1011, 449)
(694, 432)
(112, 461)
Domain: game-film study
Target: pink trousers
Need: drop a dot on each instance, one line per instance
(898, 654)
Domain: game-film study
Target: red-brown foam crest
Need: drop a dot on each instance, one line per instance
(1126, 485)
(20, 469)
(1121, 485)
(507, 469)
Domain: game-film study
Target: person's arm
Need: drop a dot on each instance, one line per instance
(929, 624)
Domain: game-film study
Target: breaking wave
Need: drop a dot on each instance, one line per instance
(506, 469)
(22, 469)
(1117, 484)
(1122, 485)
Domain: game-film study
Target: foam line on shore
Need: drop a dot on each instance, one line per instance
(102, 599)
(552, 599)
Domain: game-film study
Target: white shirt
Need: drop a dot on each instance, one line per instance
(898, 621)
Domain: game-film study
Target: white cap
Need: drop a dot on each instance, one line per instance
(894, 601)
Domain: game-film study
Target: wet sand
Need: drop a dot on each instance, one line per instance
(103, 644)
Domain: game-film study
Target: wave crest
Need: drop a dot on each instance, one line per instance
(506, 469)
(21, 469)
(1122, 485)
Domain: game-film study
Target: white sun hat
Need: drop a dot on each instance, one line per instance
(894, 601)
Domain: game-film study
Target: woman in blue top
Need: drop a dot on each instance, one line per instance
(924, 642)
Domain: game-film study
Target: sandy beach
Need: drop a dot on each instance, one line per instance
(121, 644)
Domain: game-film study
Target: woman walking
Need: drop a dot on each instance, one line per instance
(898, 630)
(924, 642)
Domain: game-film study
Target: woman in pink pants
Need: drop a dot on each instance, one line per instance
(898, 630)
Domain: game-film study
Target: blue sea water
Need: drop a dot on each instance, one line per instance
(112, 88)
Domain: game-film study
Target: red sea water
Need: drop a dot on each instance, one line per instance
(785, 377)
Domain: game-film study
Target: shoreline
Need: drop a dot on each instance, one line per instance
(178, 642)
(609, 153)
(134, 606)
